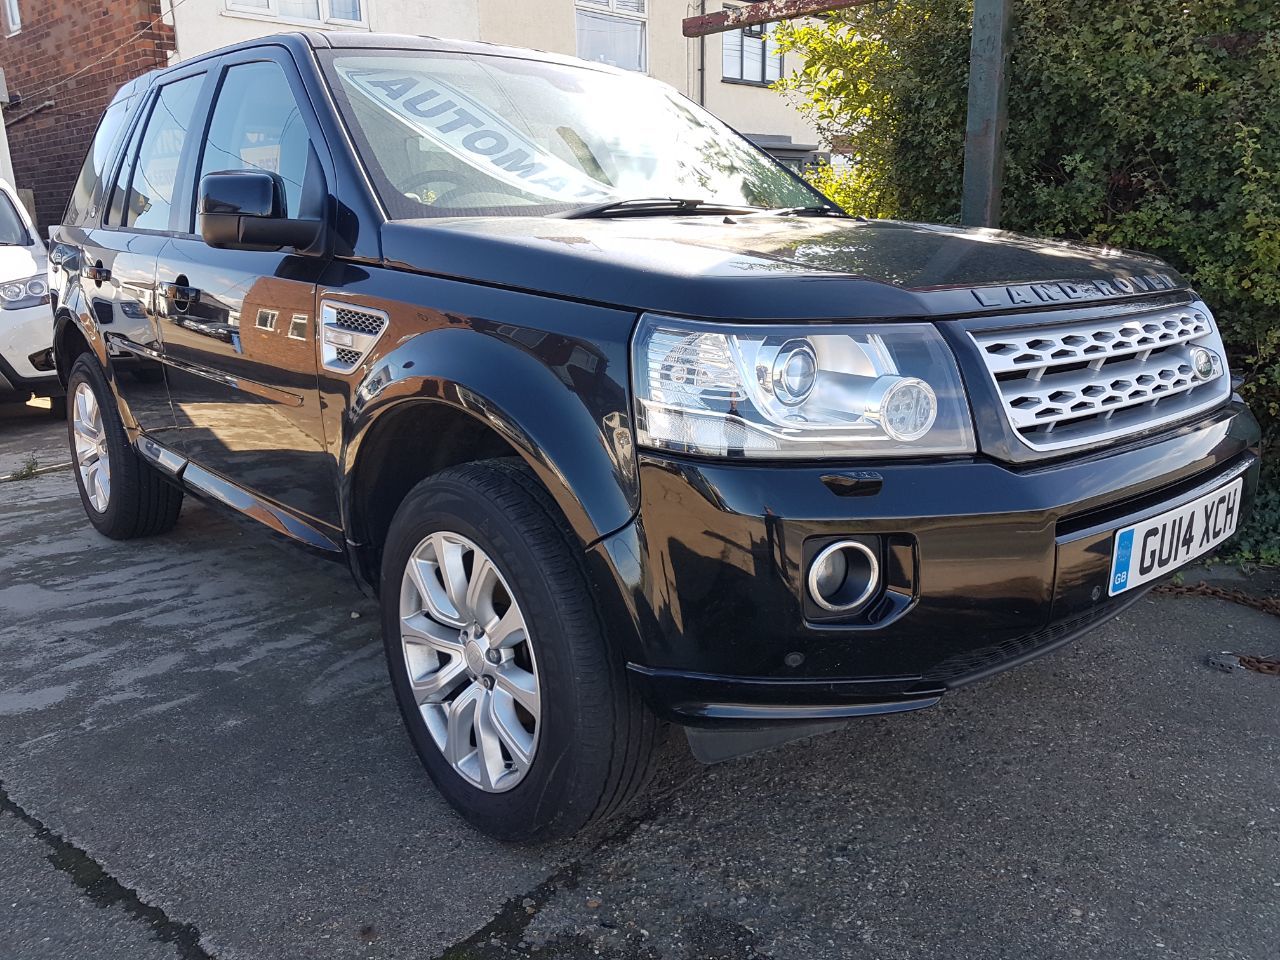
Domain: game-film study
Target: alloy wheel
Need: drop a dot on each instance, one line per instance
(470, 661)
(92, 457)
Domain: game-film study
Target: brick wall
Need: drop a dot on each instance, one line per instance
(66, 63)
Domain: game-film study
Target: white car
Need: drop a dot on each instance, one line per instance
(26, 319)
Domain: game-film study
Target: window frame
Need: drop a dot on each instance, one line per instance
(271, 13)
(94, 214)
(183, 189)
(223, 73)
(294, 321)
(609, 11)
(758, 33)
(217, 77)
(12, 17)
(270, 316)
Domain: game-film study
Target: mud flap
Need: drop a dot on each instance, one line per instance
(715, 746)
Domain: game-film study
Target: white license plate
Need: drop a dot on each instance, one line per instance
(1152, 548)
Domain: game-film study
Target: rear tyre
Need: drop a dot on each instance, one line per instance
(521, 710)
(123, 495)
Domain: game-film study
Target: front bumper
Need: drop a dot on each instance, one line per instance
(24, 332)
(992, 564)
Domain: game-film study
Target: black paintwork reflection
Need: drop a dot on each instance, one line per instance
(797, 267)
(240, 345)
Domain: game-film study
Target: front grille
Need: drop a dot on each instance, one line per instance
(1072, 384)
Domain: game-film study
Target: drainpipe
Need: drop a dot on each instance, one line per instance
(173, 19)
(6, 161)
(702, 60)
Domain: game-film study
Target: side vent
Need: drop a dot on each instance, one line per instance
(348, 334)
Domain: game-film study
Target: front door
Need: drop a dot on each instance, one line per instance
(239, 326)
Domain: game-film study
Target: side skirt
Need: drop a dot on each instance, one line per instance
(210, 486)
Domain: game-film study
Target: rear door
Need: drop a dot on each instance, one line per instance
(119, 259)
(239, 326)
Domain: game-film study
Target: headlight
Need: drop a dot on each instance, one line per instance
(24, 293)
(826, 391)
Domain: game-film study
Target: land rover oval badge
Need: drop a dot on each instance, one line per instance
(1202, 360)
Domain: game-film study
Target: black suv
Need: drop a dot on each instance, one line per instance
(620, 420)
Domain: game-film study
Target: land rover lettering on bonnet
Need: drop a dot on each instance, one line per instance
(622, 423)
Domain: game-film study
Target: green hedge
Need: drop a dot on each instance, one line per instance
(1140, 124)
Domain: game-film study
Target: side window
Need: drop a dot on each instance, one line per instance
(87, 196)
(120, 187)
(257, 125)
(155, 173)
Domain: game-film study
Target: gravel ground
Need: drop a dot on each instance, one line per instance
(199, 757)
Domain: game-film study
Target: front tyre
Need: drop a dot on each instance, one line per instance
(521, 712)
(123, 495)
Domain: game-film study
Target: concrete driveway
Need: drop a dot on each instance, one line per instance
(200, 757)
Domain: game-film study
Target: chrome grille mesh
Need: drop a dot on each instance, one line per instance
(348, 334)
(358, 321)
(1073, 384)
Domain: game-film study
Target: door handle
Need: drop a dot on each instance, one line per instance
(179, 293)
(98, 273)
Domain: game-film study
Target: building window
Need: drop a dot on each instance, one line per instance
(614, 32)
(266, 319)
(751, 55)
(298, 327)
(300, 11)
(12, 17)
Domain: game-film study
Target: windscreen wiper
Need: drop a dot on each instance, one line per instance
(814, 210)
(656, 207)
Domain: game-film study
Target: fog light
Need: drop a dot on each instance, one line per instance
(844, 576)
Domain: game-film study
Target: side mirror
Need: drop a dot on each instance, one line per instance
(245, 210)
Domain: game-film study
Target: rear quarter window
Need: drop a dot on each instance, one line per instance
(90, 192)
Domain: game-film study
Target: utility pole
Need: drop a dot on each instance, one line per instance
(989, 58)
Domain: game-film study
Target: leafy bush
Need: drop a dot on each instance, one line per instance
(1259, 541)
(1133, 123)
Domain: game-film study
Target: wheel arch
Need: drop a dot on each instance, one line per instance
(389, 463)
(69, 341)
(442, 425)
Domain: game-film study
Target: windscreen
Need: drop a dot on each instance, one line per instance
(13, 232)
(447, 134)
